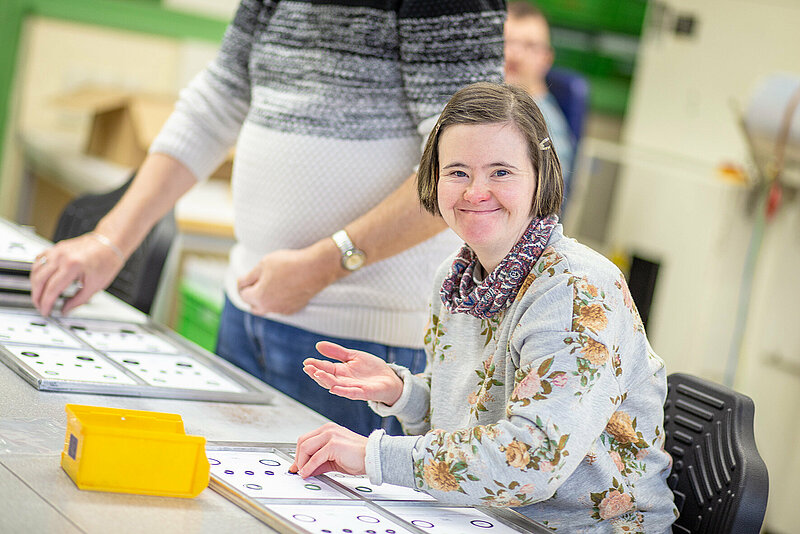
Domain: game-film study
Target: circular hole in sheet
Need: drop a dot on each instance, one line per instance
(304, 518)
(85, 358)
(214, 461)
(30, 354)
(268, 473)
(313, 487)
(365, 489)
(253, 486)
(368, 519)
(51, 372)
(271, 463)
(422, 523)
(228, 472)
(480, 523)
(249, 473)
(132, 362)
(183, 364)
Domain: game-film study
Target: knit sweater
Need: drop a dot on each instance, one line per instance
(328, 103)
(553, 406)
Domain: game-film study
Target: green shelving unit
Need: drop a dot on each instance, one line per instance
(198, 316)
(599, 39)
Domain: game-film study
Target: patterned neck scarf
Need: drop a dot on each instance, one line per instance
(460, 293)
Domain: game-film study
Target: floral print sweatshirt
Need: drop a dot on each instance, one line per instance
(553, 406)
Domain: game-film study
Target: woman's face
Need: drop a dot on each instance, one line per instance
(486, 187)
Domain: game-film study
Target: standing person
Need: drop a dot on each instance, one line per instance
(541, 391)
(328, 104)
(528, 58)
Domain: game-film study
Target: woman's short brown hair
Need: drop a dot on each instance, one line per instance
(487, 103)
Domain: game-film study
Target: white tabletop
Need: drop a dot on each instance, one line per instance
(36, 495)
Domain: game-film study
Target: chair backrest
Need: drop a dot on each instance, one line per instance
(571, 91)
(137, 282)
(719, 480)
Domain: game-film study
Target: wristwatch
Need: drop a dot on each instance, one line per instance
(352, 258)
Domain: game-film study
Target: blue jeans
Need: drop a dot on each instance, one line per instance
(274, 352)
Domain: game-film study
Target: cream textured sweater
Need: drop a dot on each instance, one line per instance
(328, 104)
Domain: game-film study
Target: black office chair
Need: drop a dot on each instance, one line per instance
(137, 282)
(719, 479)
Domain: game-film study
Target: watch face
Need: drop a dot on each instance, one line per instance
(353, 260)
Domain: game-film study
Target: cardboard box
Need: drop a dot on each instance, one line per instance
(124, 124)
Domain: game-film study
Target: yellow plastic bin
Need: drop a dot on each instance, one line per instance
(133, 451)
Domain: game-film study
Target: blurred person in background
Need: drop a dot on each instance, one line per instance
(528, 58)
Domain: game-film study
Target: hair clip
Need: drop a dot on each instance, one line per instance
(544, 144)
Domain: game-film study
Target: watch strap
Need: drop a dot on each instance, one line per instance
(343, 241)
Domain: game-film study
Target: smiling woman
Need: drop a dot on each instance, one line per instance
(541, 391)
(485, 201)
(487, 104)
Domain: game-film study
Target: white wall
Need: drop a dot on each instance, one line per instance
(683, 87)
(681, 108)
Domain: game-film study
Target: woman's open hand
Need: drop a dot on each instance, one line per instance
(359, 376)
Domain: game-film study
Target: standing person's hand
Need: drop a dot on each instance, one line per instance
(285, 280)
(359, 376)
(86, 259)
(331, 447)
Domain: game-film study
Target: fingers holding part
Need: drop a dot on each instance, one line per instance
(53, 283)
